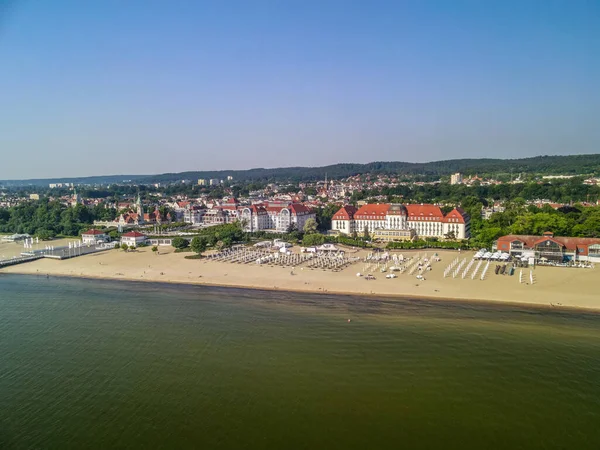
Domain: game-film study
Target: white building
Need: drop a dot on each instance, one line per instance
(425, 220)
(343, 220)
(93, 237)
(254, 218)
(275, 216)
(133, 238)
(193, 214)
(281, 217)
(456, 178)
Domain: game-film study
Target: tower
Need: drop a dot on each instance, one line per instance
(75, 199)
(140, 210)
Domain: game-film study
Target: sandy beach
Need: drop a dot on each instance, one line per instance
(554, 286)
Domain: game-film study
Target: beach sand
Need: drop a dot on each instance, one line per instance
(554, 286)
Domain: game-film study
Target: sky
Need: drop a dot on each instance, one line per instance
(104, 87)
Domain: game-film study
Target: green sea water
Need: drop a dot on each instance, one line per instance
(87, 364)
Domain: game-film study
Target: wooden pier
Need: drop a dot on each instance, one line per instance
(58, 253)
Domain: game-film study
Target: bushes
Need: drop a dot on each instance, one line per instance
(347, 241)
(180, 243)
(226, 234)
(45, 235)
(310, 240)
(455, 245)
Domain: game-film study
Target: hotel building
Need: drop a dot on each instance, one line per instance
(425, 220)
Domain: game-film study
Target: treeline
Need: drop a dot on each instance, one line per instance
(519, 218)
(47, 219)
(430, 243)
(572, 164)
(560, 191)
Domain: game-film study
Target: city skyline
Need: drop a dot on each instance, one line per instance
(146, 87)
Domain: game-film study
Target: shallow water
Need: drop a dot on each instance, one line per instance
(105, 364)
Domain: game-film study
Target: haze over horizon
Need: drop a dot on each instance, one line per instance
(144, 87)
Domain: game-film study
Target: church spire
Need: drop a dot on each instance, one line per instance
(140, 210)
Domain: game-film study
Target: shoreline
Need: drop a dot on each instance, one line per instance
(555, 289)
(367, 295)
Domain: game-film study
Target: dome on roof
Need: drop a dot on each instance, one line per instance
(398, 209)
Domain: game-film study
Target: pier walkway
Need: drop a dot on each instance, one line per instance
(53, 253)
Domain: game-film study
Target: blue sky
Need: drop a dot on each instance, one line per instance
(148, 86)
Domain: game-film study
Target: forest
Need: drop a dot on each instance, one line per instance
(428, 171)
(47, 219)
(559, 191)
(568, 165)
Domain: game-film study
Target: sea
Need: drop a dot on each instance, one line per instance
(94, 364)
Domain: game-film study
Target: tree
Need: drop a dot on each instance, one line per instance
(292, 227)
(310, 240)
(324, 216)
(310, 226)
(180, 243)
(450, 235)
(199, 244)
(44, 235)
(124, 247)
(155, 249)
(366, 234)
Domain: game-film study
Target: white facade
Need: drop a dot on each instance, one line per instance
(93, 237)
(276, 218)
(344, 226)
(432, 228)
(427, 221)
(193, 215)
(133, 239)
(254, 218)
(456, 178)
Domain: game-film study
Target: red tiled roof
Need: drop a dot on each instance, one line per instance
(135, 234)
(457, 215)
(256, 209)
(274, 208)
(299, 208)
(570, 243)
(378, 210)
(345, 213)
(419, 212)
(92, 232)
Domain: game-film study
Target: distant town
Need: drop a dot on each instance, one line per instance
(382, 210)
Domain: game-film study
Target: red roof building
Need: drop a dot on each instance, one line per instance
(424, 212)
(134, 234)
(133, 238)
(346, 212)
(92, 237)
(92, 233)
(426, 220)
(550, 247)
(376, 211)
